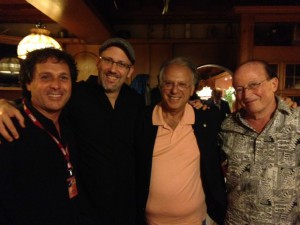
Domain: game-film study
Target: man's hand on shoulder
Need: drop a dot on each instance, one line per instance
(7, 128)
(290, 102)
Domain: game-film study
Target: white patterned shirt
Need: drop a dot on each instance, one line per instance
(263, 177)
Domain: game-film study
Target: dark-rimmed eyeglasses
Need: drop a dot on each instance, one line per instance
(251, 86)
(120, 65)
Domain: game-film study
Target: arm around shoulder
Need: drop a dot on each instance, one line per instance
(7, 111)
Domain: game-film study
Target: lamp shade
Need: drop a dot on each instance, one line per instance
(38, 39)
(10, 65)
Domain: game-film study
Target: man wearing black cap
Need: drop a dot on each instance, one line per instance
(103, 111)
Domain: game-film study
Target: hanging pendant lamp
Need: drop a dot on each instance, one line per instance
(38, 39)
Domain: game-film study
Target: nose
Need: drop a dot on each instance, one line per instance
(174, 88)
(246, 93)
(55, 83)
(113, 67)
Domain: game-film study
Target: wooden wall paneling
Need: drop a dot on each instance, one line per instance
(10, 93)
(277, 53)
(86, 57)
(222, 53)
(246, 38)
(142, 62)
(159, 53)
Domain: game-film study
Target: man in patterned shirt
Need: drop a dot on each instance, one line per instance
(262, 143)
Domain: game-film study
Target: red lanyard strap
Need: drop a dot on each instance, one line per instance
(63, 150)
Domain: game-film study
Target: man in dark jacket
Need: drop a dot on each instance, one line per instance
(217, 102)
(37, 177)
(179, 176)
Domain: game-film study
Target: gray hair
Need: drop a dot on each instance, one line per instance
(181, 61)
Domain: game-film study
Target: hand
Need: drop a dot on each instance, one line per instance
(197, 104)
(7, 128)
(290, 102)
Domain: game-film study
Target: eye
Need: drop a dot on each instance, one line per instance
(107, 60)
(122, 65)
(253, 85)
(64, 77)
(45, 76)
(168, 83)
(182, 85)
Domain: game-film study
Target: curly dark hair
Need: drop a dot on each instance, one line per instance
(41, 55)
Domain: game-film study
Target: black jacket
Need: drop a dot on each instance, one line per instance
(105, 151)
(206, 128)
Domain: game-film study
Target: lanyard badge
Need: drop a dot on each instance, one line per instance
(72, 187)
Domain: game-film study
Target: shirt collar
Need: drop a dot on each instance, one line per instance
(188, 117)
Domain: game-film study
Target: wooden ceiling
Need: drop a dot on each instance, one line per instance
(93, 20)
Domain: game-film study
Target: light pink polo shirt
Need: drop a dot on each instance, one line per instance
(176, 195)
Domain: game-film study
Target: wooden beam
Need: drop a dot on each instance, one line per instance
(76, 17)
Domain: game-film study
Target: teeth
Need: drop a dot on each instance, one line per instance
(55, 95)
(110, 77)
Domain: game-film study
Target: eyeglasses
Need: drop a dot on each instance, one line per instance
(251, 86)
(180, 85)
(120, 65)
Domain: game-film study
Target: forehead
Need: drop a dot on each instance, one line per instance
(115, 53)
(53, 64)
(249, 72)
(178, 72)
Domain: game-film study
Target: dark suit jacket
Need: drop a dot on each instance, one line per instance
(206, 128)
(224, 107)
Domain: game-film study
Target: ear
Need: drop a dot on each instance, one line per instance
(28, 86)
(130, 72)
(192, 90)
(98, 62)
(274, 83)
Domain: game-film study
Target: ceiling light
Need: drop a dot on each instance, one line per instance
(38, 39)
(205, 93)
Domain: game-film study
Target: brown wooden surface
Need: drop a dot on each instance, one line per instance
(10, 93)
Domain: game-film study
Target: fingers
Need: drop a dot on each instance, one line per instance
(20, 118)
(294, 105)
(290, 102)
(197, 104)
(7, 128)
(6, 123)
(205, 107)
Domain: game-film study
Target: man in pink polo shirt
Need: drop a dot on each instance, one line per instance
(179, 175)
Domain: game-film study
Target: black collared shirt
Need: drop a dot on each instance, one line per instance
(33, 175)
(106, 155)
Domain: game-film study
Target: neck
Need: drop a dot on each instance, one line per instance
(172, 118)
(112, 97)
(54, 116)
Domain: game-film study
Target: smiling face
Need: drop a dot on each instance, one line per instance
(111, 76)
(50, 87)
(176, 88)
(259, 100)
